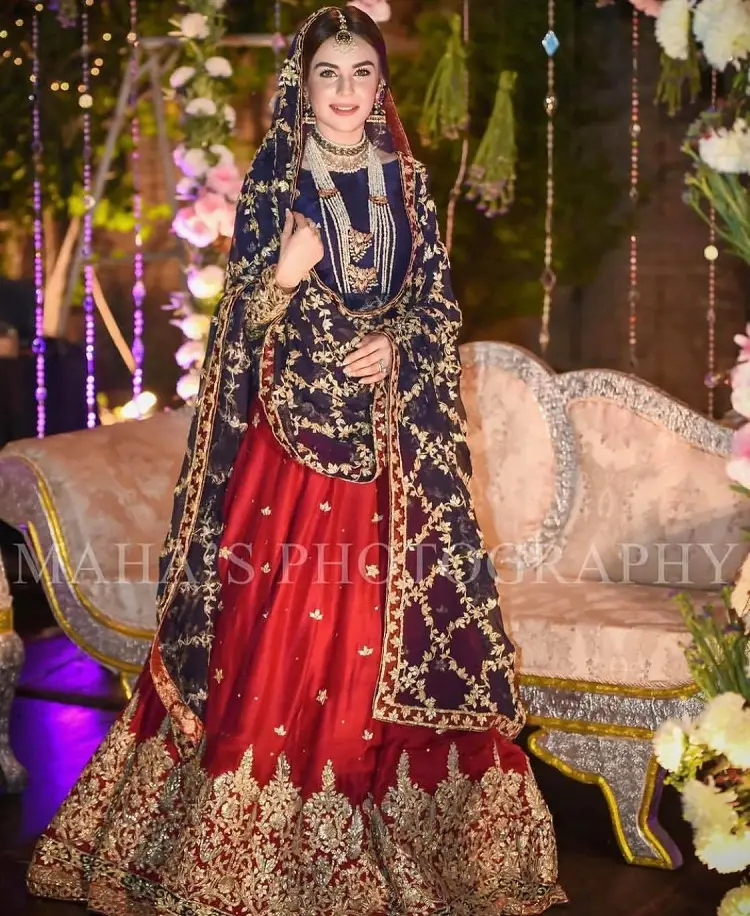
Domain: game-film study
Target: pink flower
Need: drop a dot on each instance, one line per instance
(741, 388)
(226, 224)
(209, 207)
(649, 7)
(189, 226)
(738, 468)
(743, 342)
(378, 10)
(225, 179)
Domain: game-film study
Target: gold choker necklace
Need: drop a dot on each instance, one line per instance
(339, 158)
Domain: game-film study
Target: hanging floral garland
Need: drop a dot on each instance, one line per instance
(210, 183)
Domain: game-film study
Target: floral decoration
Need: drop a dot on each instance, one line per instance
(210, 182)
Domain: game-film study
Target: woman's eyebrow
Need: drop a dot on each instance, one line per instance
(364, 63)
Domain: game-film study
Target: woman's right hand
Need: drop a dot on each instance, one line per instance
(301, 250)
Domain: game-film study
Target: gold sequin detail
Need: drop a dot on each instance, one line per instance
(214, 845)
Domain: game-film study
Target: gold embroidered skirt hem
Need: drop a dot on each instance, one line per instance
(147, 832)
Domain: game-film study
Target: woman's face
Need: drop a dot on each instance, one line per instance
(341, 87)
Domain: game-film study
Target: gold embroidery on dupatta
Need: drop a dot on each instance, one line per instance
(144, 834)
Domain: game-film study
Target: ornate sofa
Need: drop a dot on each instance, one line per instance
(601, 496)
(588, 486)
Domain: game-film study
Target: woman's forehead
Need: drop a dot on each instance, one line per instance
(352, 55)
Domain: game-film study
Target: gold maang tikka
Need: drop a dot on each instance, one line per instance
(344, 38)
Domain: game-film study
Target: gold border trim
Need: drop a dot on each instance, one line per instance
(6, 620)
(52, 517)
(65, 626)
(587, 727)
(664, 859)
(678, 692)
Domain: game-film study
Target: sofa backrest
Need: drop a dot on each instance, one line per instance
(598, 475)
(107, 492)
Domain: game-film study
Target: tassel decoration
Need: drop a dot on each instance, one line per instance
(492, 176)
(446, 113)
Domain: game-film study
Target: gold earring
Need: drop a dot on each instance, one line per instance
(308, 116)
(377, 115)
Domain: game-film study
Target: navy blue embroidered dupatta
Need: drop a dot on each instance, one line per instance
(447, 662)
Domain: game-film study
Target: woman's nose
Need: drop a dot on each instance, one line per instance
(345, 86)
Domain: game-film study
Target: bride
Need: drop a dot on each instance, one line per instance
(325, 723)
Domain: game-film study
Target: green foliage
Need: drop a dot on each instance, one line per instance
(497, 263)
(717, 653)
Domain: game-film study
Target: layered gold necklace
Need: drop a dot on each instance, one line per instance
(339, 158)
(343, 239)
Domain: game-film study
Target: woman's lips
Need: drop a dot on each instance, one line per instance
(344, 110)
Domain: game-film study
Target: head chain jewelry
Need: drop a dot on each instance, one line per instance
(344, 38)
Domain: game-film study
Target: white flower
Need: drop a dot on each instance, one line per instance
(226, 156)
(201, 107)
(724, 725)
(673, 28)
(218, 4)
(230, 116)
(723, 28)
(195, 163)
(709, 809)
(194, 327)
(181, 76)
(736, 902)
(724, 852)
(206, 282)
(727, 150)
(191, 353)
(186, 188)
(189, 385)
(218, 67)
(670, 742)
(194, 25)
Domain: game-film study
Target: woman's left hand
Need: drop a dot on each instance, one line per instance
(371, 361)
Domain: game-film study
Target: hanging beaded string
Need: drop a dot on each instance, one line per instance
(139, 289)
(550, 43)
(711, 253)
(38, 345)
(635, 133)
(88, 220)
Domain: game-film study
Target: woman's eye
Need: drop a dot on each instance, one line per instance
(363, 71)
(327, 74)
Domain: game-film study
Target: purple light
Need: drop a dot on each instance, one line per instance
(88, 221)
(139, 288)
(38, 345)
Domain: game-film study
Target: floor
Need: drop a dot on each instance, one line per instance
(65, 703)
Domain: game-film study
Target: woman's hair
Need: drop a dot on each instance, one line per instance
(329, 24)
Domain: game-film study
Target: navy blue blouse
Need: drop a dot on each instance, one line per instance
(354, 189)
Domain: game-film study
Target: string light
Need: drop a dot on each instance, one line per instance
(550, 43)
(635, 133)
(139, 289)
(711, 253)
(88, 225)
(38, 345)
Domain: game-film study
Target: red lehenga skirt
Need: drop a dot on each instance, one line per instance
(298, 801)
